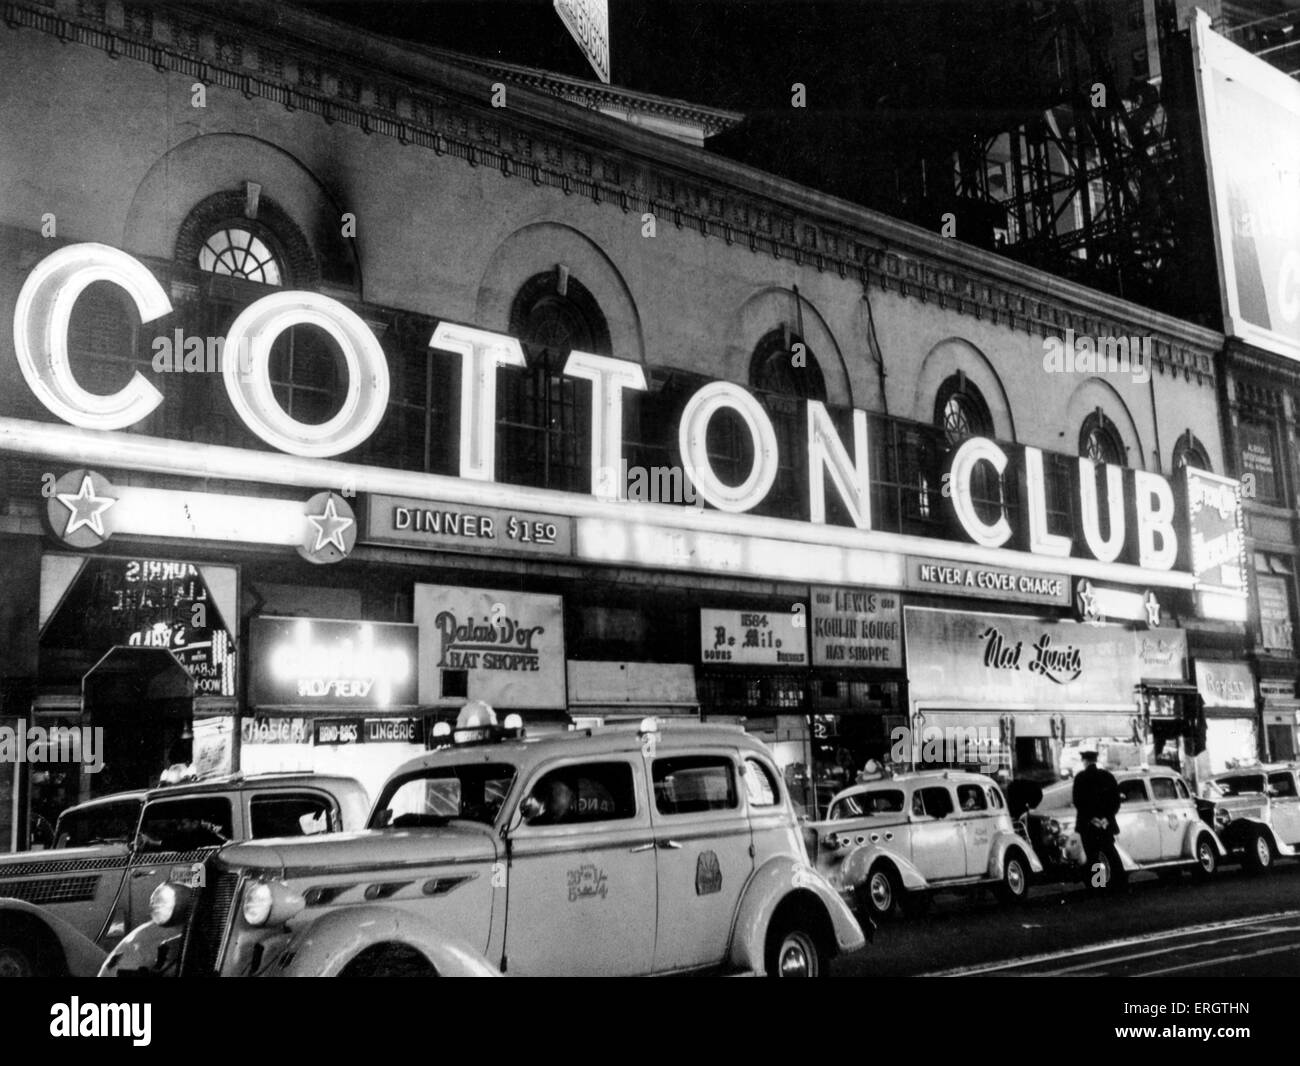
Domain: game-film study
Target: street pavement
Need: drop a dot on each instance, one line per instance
(1232, 925)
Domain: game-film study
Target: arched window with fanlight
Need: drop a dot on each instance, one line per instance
(783, 374)
(1100, 440)
(238, 246)
(236, 251)
(544, 417)
(1188, 451)
(961, 412)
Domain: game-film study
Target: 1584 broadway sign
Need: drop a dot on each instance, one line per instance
(454, 527)
(768, 638)
(856, 627)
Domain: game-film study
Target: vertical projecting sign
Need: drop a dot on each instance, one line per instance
(588, 22)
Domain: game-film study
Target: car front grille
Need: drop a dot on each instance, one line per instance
(207, 928)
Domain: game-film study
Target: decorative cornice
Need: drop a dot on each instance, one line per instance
(346, 75)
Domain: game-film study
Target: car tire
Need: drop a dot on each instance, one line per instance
(792, 949)
(881, 894)
(17, 959)
(1014, 886)
(1207, 859)
(1259, 853)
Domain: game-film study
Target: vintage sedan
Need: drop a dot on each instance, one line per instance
(897, 840)
(1160, 829)
(62, 909)
(598, 852)
(1256, 811)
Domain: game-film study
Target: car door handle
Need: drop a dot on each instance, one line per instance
(142, 873)
(643, 847)
(670, 845)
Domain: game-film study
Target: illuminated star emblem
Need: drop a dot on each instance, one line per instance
(1153, 609)
(1086, 599)
(330, 526)
(85, 509)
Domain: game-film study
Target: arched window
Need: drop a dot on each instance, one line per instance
(241, 246)
(237, 251)
(960, 410)
(783, 374)
(1099, 440)
(1190, 452)
(543, 419)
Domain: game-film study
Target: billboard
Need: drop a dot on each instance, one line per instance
(1250, 124)
(588, 23)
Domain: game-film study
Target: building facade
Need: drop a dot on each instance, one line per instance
(349, 382)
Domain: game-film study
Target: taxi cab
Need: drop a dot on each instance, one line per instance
(597, 852)
(1256, 811)
(1160, 828)
(63, 908)
(898, 840)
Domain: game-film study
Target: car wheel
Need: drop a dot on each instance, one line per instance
(880, 894)
(1207, 859)
(1014, 886)
(1259, 853)
(792, 951)
(17, 960)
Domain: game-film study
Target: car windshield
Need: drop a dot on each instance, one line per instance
(434, 796)
(1240, 786)
(868, 804)
(110, 823)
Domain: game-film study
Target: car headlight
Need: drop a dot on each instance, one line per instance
(1222, 817)
(1053, 828)
(258, 900)
(271, 903)
(169, 904)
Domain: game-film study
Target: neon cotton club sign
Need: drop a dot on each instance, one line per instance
(1138, 506)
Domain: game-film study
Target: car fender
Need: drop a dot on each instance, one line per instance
(770, 885)
(1238, 832)
(1004, 841)
(327, 945)
(139, 952)
(81, 956)
(1196, 830)
(858, 863)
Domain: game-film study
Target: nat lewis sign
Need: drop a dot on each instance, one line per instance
(1130, 517)
(454, 527)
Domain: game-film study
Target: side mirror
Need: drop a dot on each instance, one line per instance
(531, 808)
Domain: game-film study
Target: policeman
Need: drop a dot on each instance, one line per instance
(1096, 803)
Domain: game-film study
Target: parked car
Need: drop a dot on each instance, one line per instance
(1160, 828)
(63, 908)
(1256, 813)
(603, 851)
(899, 839)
